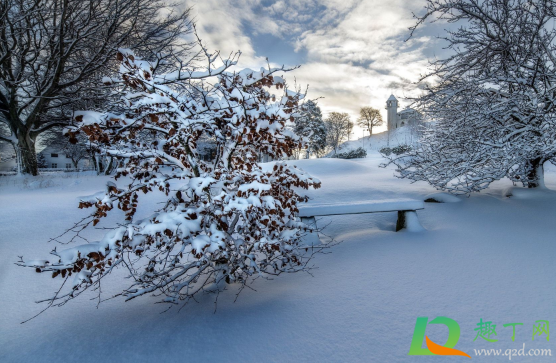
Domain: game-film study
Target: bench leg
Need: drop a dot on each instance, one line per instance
(311, 238)
(407, 219)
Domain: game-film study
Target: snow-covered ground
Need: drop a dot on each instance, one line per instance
(487, 257)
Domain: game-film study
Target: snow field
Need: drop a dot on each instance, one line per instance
(488, 257)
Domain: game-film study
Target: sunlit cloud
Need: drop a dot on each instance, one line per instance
(352, 53)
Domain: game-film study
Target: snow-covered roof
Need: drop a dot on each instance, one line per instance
(392, 98)
(407, 110)
(51, 147)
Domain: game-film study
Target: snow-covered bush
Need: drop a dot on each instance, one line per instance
(401, 149)
(396, 150)
(222, 221)
(352, 154)
(386, 151)
(41, 161)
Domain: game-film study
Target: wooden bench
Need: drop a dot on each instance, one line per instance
(406, 208)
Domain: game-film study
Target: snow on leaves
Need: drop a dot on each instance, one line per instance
(224, 220)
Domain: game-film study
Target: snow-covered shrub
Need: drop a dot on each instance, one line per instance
(401, 149)
(223, 220)
(41, 162)
(441, 198)
(352, 154)
(386, 151)
(396, 150)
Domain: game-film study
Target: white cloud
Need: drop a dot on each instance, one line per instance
(355, 50)
(363, 58)
(220, 26)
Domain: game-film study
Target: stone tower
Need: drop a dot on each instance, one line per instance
(392, 112)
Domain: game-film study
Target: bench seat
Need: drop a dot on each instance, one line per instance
(406, 208)
(389, 205)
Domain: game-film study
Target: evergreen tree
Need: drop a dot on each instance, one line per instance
(309, 124)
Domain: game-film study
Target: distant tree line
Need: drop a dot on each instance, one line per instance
(327, 135)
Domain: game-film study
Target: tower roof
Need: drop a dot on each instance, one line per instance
(392, 98)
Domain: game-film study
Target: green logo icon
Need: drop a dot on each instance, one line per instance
(433, 348)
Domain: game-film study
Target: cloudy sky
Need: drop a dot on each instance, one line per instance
(352, 53)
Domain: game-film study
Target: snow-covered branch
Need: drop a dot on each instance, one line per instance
(494, 106)
(224, 219)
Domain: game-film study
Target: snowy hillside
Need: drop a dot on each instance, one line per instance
(402, 135)
(488, 257)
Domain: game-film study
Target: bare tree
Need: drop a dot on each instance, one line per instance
(368, 118)
(338, 129)
(54, 54)
(494, 102)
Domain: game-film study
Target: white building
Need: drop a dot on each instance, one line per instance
(54, 158)
(7, 157)
(397, 119)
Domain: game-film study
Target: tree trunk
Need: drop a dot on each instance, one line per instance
(27, 154)
(536, 174)
(97, 164)
(110, 166)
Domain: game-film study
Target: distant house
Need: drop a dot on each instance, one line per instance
(7, 157)
(54, 157)
(397, 119)
(264, 158)
(207, 149)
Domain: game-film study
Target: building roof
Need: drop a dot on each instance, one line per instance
(407, 110)
(392, 98)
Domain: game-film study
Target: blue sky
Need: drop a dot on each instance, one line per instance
(352, 53)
